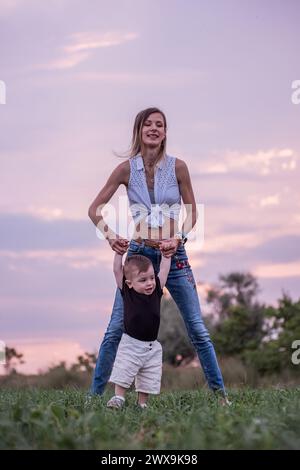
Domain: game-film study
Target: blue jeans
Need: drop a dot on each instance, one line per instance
(182, 288)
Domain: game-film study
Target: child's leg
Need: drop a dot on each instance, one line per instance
(142, 398)
(124, 371)
(148, 378)
(118, 400)
(120, 391)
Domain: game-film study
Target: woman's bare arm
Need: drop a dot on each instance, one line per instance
(118, 176)
(187, 194)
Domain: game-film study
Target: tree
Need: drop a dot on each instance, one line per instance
(85, 362)
(13, 358)
(234, 289)
(241, 318)
(275, 352)
(241, 331)
(262, 336)
(243, 287)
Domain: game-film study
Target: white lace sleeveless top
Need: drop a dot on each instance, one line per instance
(166, 192)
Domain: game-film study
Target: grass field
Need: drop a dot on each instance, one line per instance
(257, 419)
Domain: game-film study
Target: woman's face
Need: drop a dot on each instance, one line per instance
(153, 130)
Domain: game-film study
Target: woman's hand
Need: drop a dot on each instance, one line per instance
(169, 247)
(119, 244)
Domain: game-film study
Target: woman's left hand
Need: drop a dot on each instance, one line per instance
(169, 247)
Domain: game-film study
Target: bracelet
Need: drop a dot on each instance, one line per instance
(181, 236)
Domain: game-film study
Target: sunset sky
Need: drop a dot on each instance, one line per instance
(76, 75)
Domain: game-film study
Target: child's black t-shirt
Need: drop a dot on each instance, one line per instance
(141, 312)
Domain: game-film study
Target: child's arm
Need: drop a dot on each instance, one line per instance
(164, 270)
(118, 269)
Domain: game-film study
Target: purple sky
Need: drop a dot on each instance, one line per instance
(76, 74)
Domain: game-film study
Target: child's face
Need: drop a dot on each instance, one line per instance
(143, 282)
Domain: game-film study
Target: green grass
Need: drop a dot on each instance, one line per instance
(54, 419)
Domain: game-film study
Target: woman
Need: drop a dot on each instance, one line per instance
(153, 177)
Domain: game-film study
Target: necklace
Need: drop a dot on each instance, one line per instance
(150, 174)
(149, 177)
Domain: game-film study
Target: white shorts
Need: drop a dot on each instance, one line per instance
(139, 360)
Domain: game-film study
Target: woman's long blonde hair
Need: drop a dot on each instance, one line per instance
(136, 142)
